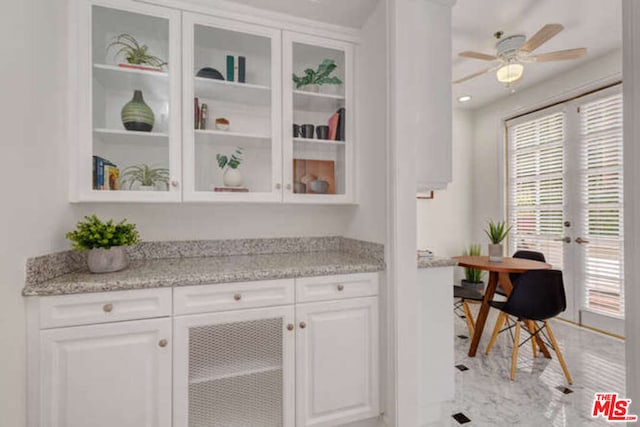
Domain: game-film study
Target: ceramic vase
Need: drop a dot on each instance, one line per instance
(311, 88)
(495, 252)
(100, 260)
(232, 178)
(136, 114)
(476, 286)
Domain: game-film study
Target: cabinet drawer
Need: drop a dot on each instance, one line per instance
(336, 287)
(71, 310)
(232, 296)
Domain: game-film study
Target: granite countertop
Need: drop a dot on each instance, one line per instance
(436, 262)
(143, 273)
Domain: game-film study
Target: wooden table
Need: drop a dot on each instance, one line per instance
(498, 273)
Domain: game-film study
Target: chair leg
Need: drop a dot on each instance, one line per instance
(468, 317)
(514, 353)
(556, 348)
(502, 319)
(532, 328)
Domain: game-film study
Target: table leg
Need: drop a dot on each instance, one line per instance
(484, 311)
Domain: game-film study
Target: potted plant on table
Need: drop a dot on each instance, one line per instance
(105, 242)
(496, 232)
(472, 276)
(232, 176)
(312, 79)
(147, 176)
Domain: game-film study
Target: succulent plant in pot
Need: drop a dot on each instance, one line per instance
(135, 54)
(105, 242)
(148, 177)
(496, 232)
(313, 79)
(230, 164)
(472, 276)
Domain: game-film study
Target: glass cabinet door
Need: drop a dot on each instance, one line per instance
(127, 116)
(231, 105)
(318, 120)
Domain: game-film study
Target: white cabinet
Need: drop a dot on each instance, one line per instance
(239, 71)
(116, 374)
(336, 362)
(110, 142)
(234, 368)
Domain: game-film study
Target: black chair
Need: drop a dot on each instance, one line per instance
(461, 305)
(538, 296)
(532, 255)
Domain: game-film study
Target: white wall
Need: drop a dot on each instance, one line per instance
(35, 213)
(444, 222)
(488, 129)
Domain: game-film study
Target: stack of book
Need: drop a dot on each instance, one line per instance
(337, 125)
(236, 71)
(425, 254)
(106, 174)
(231, 189)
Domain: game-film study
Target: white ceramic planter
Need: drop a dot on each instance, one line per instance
(311, 88)
(232, 178)
(100, 260)
(495, 252)
(147, 188)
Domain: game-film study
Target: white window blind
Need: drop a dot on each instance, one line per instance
(536, 186)
(602, 208)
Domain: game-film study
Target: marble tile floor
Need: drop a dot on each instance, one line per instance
(487, 397)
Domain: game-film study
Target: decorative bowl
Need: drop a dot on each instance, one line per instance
(209, 73)
(319, 186)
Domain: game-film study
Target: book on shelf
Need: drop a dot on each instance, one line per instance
(242, 69)
(333, 126)
(105, 174)
(230, 68)
(341, 124)
(231, 189)
(196, 113)
(140, 67)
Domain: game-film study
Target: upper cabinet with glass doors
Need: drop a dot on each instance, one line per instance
(231, 113)
(318, 120)
(127, 107)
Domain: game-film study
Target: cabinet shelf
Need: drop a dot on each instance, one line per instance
(113, 136)
(233, 138)
(317, 141)
(222, 90)
(235, 374)
(153, 84)
(321, 102)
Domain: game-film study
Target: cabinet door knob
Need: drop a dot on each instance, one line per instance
(107, 308)
(174, 183)
(163, 343)
(303, 325)
(237, 297)
(290, 327)
(278, 186)
(341, 287)
(288, 186)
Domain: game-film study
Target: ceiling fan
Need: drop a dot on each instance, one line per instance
(514, 51)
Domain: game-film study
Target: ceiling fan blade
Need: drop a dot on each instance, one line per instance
(471, 76)
(542, 36)
(477, 55)
(560, 55)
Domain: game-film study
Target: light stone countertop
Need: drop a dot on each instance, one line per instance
(169, 272)
(436, 262)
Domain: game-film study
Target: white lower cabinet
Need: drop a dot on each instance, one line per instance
(226, 362)
(116, 374)
(234, 369)
(336, 362)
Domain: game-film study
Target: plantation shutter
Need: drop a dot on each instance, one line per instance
(536, 186)
(601, 196)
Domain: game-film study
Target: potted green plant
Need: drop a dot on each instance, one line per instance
(105, 242)
(472, 276)
(135, 54)
(312, 79)
(232, 176)
(496, 232)
(147, 176)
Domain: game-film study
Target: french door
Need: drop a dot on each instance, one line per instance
(565, 200)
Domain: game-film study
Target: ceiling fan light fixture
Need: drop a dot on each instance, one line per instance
(510, 73)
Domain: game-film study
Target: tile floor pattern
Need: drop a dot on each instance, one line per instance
(537, 397)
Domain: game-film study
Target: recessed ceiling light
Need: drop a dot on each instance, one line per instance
(464, 98)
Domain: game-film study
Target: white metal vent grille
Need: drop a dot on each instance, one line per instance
(235, 374)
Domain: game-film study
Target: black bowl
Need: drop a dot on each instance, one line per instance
(210, 73)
